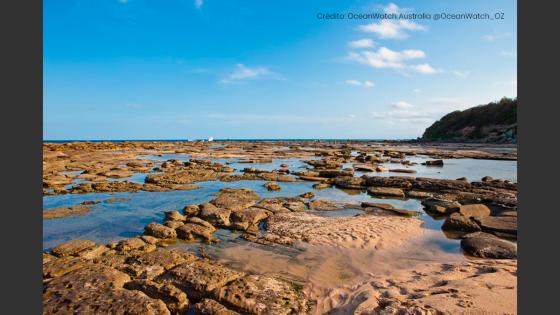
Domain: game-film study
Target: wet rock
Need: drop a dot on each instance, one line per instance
(214, 215)
(160, 231)
(272, 186)
(235, 199)
(72, 248)
(350, 182)
(307, 195)
(336, 173)
(365, 167)
(474, 210)
(325, 164)
(486, 245)
(322, 205)
(418, 194)
(463, 179)
(261, 295)
(175, 300)
(433, 163)
(458, 222)
(321, 186)
(386, 192)
(174, 215)
(90, 202)
(391, 181)
(403, 170)
(199, 278)
(191, 210)
(212, 307)
(62, 212)
(487, 179)
(189, 231)
(150, 239)
(274, 205)
(500, 224)
(441, 206)
(381, 168)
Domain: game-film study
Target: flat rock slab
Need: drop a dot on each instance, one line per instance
(386, 191)
(441, 206)
(323, 205)
(189, 231)
(150, 265)
(502, 224)
(235, 199)
(58, 267)
(486, 245)
(262, 295)
(62, 212)
(199, 278)
(72, 247)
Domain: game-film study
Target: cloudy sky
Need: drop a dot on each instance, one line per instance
(176, 69)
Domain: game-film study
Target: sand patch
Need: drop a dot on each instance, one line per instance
(363, 231)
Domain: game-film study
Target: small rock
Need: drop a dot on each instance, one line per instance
(272, 186)
(386, 191)
(160, 231)
(174, 215)
(474, 210)
(458, 222)
(486, 245)
(307, 195)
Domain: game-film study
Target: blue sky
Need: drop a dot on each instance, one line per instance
(176, 69)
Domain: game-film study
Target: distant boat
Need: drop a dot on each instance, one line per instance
(210, 139)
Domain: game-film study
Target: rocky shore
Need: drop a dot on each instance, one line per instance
(149, 274)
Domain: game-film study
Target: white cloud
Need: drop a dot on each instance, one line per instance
(509, 54)
(461, 74)
(361, 43)
(393, 29)
(417, 91)
(244, 73)
(198, 3)
(402, 105)
(351, 116)
(494, 37)
(366, 83)
(387, 58)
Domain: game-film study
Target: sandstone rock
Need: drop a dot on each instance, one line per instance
(61, 266)
(242, 220)
(350, 182)
(433, 163)
(322, 205)
(501, 224)
(365, 167)
(62, 212)
(403, 170)
(150, 239)
(175, 299)
(94, 252)
(199, 278)
(307, 195)
(388, 208)
(211, 307)
(173, 224)
(486, 245)
(215, 216)
(321, 186)
(235, 199)
(189, 231)
(441, 206)
(191, 210)
(174, 215)
(487, 179)
(72, 248)
(262, 295)
(134, 244)
(199, 221)
(336, 173)
(418, 194)
(458, 222)
(272, 186)
(160, 231)
(474, 210)
(386, 191)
